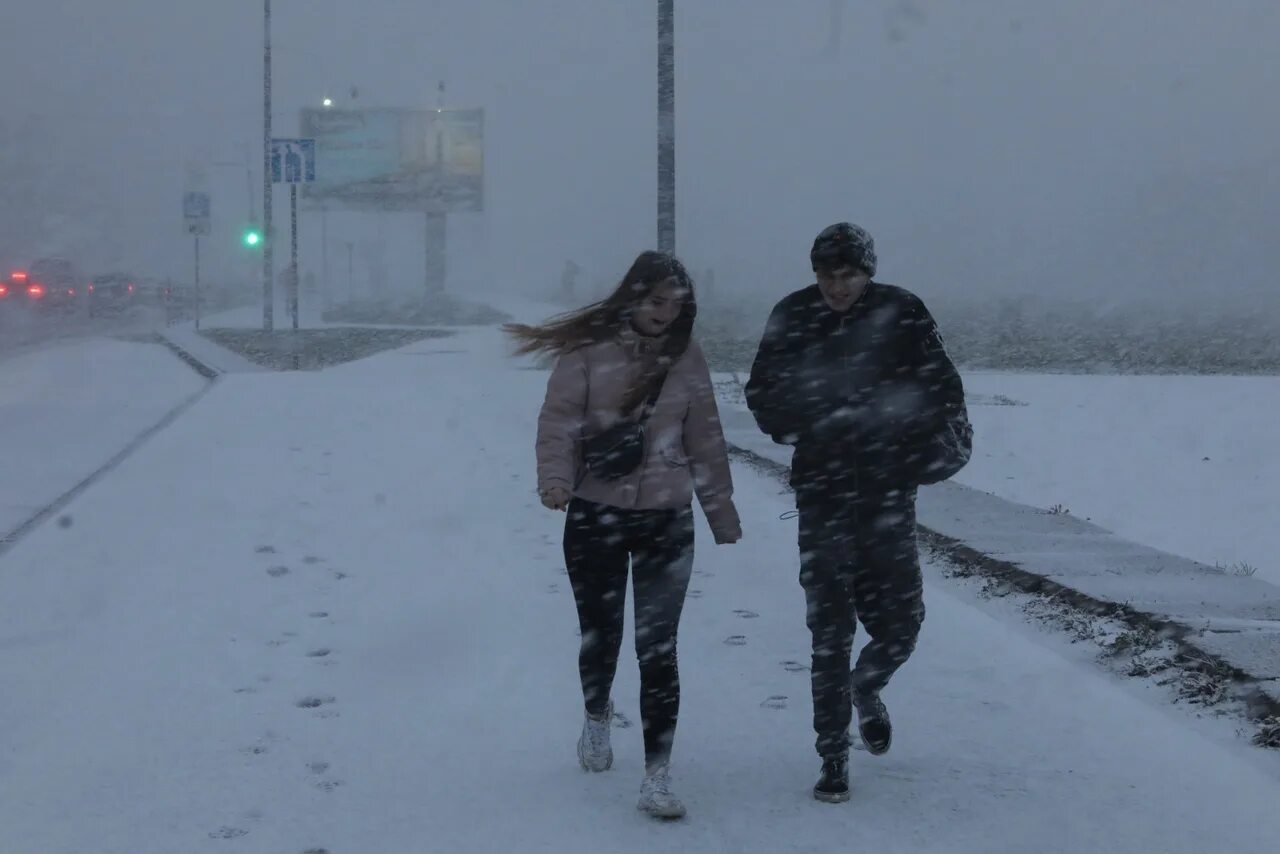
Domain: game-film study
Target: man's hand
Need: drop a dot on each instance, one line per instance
(556, 498)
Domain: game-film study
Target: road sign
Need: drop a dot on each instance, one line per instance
(196, 214)
(293, 161)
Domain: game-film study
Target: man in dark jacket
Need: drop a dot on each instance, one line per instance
(853, 374)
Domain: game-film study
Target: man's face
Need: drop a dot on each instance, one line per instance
(842, 286)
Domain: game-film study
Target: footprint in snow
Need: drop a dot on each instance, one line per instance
(318, 653)
(315, 702)
(328, 785)
(265, 550)
(318, 767)
(249, 689)
(694, 594)
(339, 575)
(278, 571)
(736, 640)
(318, 615)
(312, 560)
(745, 614)
(316, 851)
(227, 833)
(777, 701)
(620, 720)
(255, 750)
(794, 666)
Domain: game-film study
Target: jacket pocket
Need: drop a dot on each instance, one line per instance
(675, 457)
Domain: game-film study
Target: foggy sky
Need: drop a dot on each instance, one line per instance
(1108, 148)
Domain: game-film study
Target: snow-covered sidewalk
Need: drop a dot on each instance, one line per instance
(325, 611)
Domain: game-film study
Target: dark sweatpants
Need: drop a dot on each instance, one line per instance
(599, 541)
(858, 562)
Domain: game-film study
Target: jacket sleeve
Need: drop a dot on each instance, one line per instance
(946, 435)
(937, 373)
(769, 381)
(560, 423)
(708, 456)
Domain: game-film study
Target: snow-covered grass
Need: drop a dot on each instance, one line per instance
(326, 611)
(1185, 464)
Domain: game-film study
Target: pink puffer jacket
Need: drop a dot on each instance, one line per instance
(684, 444)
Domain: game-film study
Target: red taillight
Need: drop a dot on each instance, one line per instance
(4, 290)
(36, 291)
(19, 276)
(130, 288)
(91, 289)
(71, 292)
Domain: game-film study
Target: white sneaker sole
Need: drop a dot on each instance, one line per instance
(666, 814)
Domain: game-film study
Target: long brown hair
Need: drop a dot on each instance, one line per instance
(602, 321)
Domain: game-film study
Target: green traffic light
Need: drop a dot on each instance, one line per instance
(252, 237)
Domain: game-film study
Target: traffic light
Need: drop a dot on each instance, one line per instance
(252, 236)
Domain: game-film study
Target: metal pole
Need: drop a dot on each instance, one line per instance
(351, 271)
(666, 126)
(197, 281)
(248, 183)
(836, 28)
(437, 241)
(324, 257)
(268, 291)
(293, 253)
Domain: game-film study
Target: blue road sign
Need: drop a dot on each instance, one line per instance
(293, 161)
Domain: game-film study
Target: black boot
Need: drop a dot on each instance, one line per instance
(833, 786)
(873, 723)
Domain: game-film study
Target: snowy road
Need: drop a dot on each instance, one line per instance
(325, 611)
(67, 409)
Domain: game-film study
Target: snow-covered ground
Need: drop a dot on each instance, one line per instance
(1186, 464)
(66, 409)
(326, 611)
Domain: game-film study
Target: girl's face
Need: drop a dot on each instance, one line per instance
(656, 312)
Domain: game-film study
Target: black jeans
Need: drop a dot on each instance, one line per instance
(858, 562)
(599, 541)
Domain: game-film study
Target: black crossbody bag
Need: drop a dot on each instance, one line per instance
(618, 451)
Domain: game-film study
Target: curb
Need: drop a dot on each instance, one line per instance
(11, 538)
(204, 370)
(1244, 686)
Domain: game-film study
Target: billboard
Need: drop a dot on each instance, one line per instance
(397, 159)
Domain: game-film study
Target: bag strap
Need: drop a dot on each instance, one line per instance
(652, 400)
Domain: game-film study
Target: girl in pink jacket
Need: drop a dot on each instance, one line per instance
(628, 434)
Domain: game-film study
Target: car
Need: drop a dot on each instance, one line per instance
(13, 288)
(53, 284)
(112, 293)
(13, 293)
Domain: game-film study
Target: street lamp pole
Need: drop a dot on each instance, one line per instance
(666, 127)
(268, 293)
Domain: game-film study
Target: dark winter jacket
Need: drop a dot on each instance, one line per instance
(869, 398)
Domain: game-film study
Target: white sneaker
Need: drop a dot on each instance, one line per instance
(595, 753)
(656, 798)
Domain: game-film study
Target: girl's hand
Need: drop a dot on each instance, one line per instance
(556, 498)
